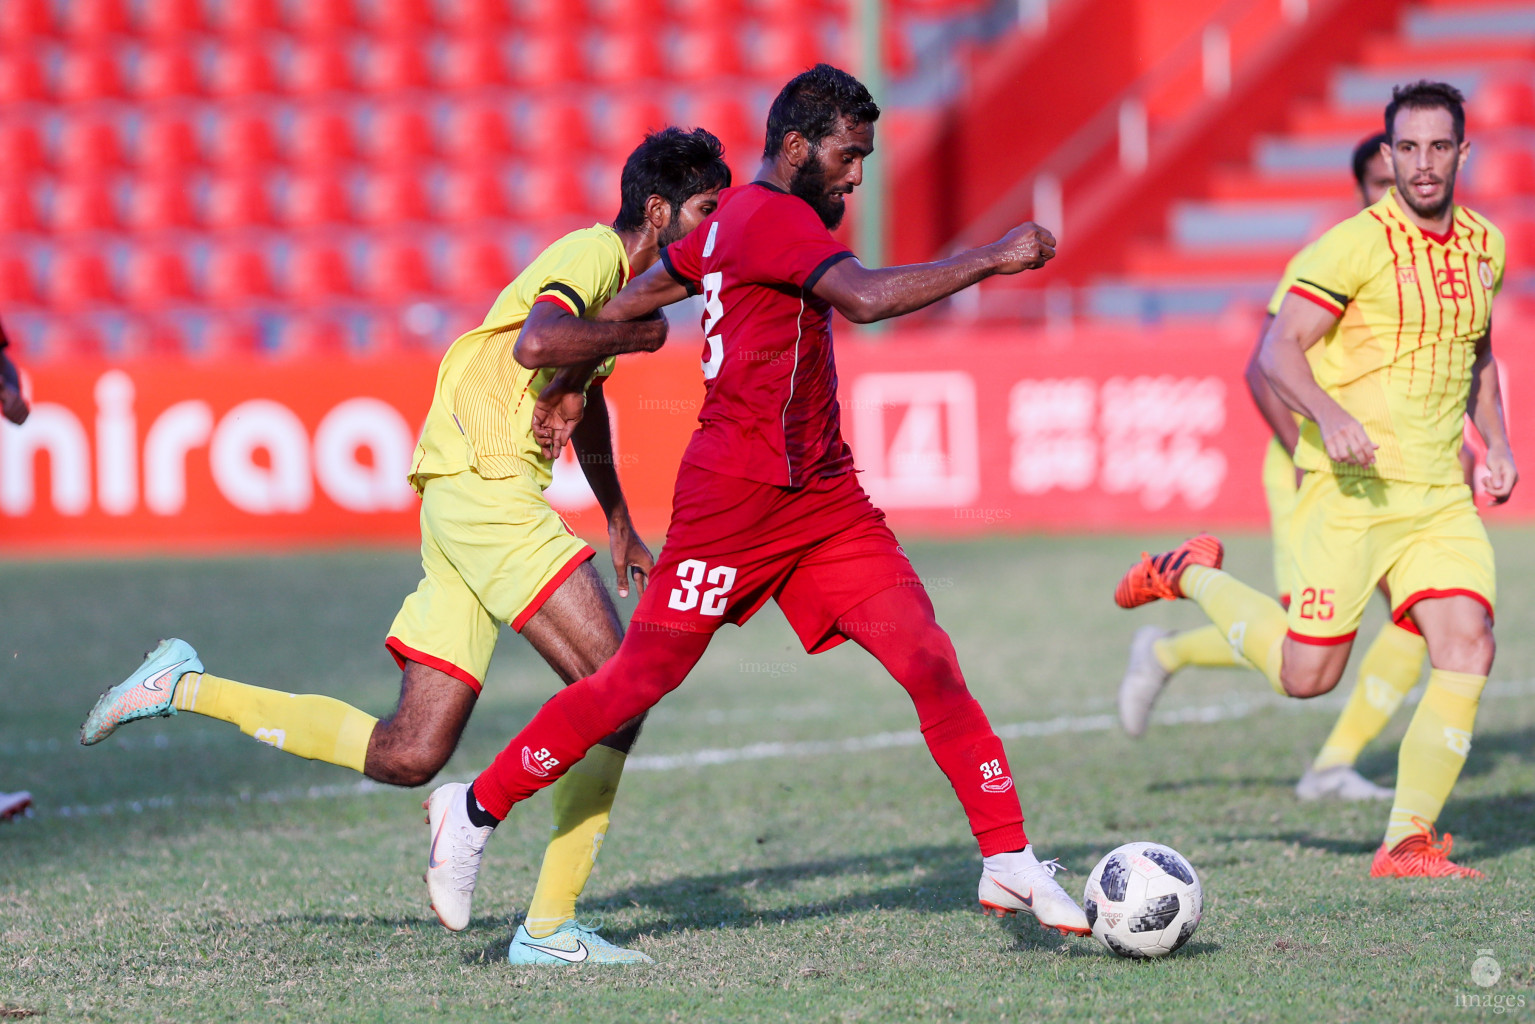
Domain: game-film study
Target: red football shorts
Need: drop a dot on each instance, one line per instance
(818, 550)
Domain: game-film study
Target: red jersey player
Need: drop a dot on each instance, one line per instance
(767, 504)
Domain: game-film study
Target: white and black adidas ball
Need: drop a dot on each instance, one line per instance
(1143, 900)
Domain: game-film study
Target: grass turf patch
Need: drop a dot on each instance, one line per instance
(183, 872)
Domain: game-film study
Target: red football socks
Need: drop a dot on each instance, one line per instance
(898, 627)
(649, 665)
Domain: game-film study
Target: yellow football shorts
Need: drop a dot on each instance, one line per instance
(492, 551)
(1426, 540)
(1280, 490)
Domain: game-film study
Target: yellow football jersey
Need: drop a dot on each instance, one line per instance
(1291, 272)
(482, 410)
(1411, 308)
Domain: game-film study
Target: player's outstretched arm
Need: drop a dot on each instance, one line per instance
(1485, 407)
(1282, 358)
(645, 295)
(865, 296)
(593, 441)
(552, 336)
(1270, 406)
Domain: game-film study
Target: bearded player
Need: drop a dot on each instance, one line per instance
(1394, 661)
(767, 505)
(1400, 299)
(493, 551)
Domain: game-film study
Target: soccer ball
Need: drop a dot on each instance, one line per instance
(1143, 900)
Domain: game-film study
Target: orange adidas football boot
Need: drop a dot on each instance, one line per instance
(1420, 855)
(1157, 575)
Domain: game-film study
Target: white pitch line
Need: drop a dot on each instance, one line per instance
(1198, 714)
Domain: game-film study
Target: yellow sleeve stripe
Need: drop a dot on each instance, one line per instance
(1328, 300)
(572, 302)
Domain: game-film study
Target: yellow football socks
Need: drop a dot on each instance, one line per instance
(305, 724)
(1433, 751)
(1388, 672)
(1251, 621)
(1205, 647)
(583, 799)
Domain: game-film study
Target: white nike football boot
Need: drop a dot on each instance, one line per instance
(570, 943)
(15, 805)
(1011, 882)
(1144, 680)
(1340, 782)
(453, 861)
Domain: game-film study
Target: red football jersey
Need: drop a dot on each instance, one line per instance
(770, 410)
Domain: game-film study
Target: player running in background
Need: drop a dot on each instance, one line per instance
(493, 551)
(767, 505)
(1393, 663)
(15, 805)
(1400, 298)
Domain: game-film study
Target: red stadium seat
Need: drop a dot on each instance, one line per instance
(94, 20)
(1501, 172)
(321, 67)
(707, 53)
(89, 73)
(477, 270)
(397, 65)
(88, 146)
(317, 198)
(474, 62)
(167, 144)
(398, 270)
(785, 49)
(239, 201)
(243, 140)
(171, 20)
(18, 207)
(624, 57)
(322, 19)
(556, 129)
(395, 196)
(228, 334)
(22, 146)
(1508, 102)
(474, 196)
(83, 206)
(553, 57)
(400, 134)
(167, 72)
(403, 19)
(21, 77)
(546, 16)
(242, 69)
(161, 203)
(629, 119)
(698, 14)
(551, 190)
(17, 288)
(78, 279)
(244, 19)
(23, 21)
(322, 140)
(237, 275)
(67, 338)
(477, 132)
(741, 134)
(158, 277)
(477, 17)
(318, 273)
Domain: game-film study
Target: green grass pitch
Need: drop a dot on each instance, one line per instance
(181, 872)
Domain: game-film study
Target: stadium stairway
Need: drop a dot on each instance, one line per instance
(1224, 244)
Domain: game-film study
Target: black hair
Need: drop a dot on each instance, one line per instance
(674, 164)
(1426, 95)
(1366, 151)
(811, 104)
